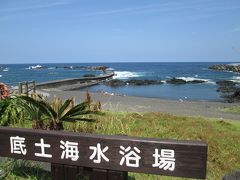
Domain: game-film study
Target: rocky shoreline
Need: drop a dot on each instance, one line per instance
(226, 67)
(229, 90)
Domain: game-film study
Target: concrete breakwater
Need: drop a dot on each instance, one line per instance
(75, 83)
(226, 67)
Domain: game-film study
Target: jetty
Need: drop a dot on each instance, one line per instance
(69, 84)
(75, 83)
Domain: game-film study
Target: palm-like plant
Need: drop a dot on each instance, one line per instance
(56, 112)
(35, 110)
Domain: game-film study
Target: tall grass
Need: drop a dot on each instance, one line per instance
(222, 137)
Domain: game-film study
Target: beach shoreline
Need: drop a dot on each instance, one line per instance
(111, 102)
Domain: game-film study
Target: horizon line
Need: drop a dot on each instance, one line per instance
(123, 62)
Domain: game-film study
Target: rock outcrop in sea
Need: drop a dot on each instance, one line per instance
(182, 81)
(145, 82)
(229, 90)
(137, 82)
(226, 67)
(176, 81)
(115, 83)
(95, 68)
(133, 82)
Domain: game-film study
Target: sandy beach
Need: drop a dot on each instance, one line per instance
(141, 104)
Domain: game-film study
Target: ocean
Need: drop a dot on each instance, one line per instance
(13, 73)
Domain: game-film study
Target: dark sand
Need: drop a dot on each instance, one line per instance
(141, 104)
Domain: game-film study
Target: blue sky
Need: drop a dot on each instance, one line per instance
(119, 30)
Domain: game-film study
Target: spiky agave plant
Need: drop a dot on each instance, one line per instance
(58, 112)
(65, 112)
(35, 109)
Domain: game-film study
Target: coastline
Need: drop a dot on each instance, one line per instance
(195, 80)
(110, 102)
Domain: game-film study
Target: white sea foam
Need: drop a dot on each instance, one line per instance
(126, 74)
(109, 69)
(194, 78)
(0, 75)
(34, 67)
(236, 79)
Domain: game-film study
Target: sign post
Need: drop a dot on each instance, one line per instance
(105, 153)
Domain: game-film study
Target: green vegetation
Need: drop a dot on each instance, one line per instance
(11, 112)
(235, 109)
(45, 115)
(21, 169)
(222, 137)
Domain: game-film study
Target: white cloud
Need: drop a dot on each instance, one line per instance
(118, 11)
(41, 5)
(197, 6)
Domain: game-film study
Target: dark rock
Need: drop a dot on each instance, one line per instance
(115, 83)
(232, 97)
(68, 67)
(236, 95)
(137, 82)
(181, 81)
(102, 68)
(227, 89)
(226, 83)
(196, 81)
(176, 81)
(96, 68)
(133, 82)
(74, 67)
(225, 67)
(230, 90)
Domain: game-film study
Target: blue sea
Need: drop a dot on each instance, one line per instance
(13, 73)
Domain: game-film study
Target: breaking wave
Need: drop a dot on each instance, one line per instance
(126, 74)
(236, 79)
(194, 78)
(0, 75)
